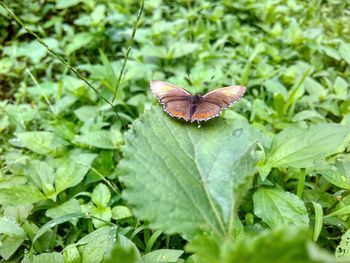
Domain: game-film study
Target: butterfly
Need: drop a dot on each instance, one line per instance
(180, 103)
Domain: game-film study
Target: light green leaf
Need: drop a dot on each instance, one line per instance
(303, 148)
(101, 195)
(278, 208)
(195, 176)
(338, 174)
(53, 257)
(72, 171)
(11, 228)
(9, 245)
(94, 245)
(42, 175)
(78, 41)
(288, 244)
(121, 212)
(41, 142)
(340, 212)
(20, 195)
(343, 249)
(69, 207)
(318, 220)
(102, 214)
(344, 50)
(71, 255)
(61, 4)
(124, 251)
(161, 256)
(101, 139)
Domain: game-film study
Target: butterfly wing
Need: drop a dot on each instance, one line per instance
(215, 101)
(175, 100)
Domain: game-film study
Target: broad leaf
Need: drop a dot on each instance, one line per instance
(162, 255)
(343, 249)
(72, 171)
(339, 174)
(20, 195)
(182, 178)
(277, 208)
(300, 149)
(101, 139)
(288, 244)
(53, 257)
(101, 195)
(11, 228)
(41, 142)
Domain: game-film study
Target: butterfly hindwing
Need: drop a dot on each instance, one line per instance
(205, 111)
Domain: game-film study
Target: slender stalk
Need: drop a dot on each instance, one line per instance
(301, 183)
(41, 91)
(130, 44)
(63, 61)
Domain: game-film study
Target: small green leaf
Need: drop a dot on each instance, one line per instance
(69, 207)
(73, 170)
(338, 174)
(124, 251)
(93, 246)
(343, 249)
(41, 142)
(78, 41)
(318, 220)
(20, 195)
(162, 255)
(53, 257)
(11, 228)
(102, 214)
(101, 139)
(42, 175)
(62, 4)
(340, 212)
(277, 208)
(344, 50)
(9, 246)
(121, 212)
(101, 195)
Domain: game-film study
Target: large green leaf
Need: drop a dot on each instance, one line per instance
(42, 142)
(300, 148)
(277, 207)
(182, 178)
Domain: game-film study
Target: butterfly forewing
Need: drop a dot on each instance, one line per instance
(175, 100)
(224, 97)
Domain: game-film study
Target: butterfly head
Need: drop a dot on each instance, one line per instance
(196, 99)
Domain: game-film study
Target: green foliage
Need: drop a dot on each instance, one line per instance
(268, 180)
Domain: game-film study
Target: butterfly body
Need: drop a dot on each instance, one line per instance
(180, 103)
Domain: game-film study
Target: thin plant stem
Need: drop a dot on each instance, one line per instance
(61, 59)
(130, 44)
(301, 183)
(41, 91)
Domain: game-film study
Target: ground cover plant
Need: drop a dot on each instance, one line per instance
(268, 181)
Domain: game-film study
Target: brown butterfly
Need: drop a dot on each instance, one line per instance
(180, 103)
